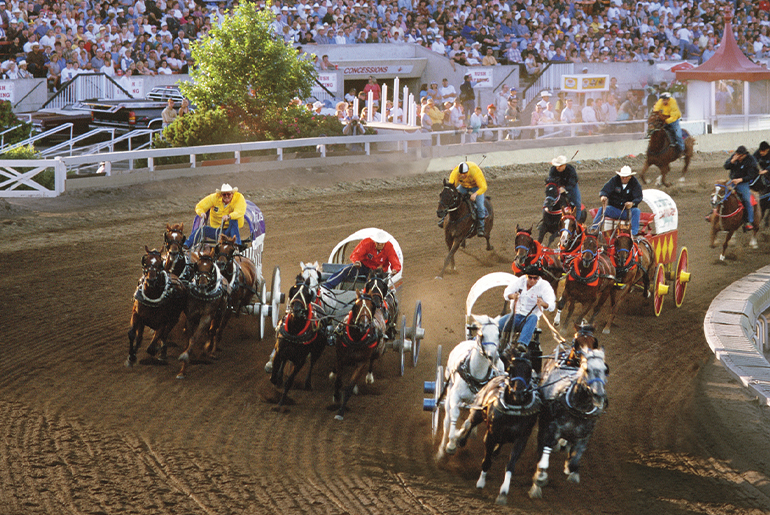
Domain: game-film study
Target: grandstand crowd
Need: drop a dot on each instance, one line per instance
(59, 39)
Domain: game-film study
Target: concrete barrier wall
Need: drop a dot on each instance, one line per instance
(729, 326)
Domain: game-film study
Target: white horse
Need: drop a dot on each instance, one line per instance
(573, 398)
(470, 366)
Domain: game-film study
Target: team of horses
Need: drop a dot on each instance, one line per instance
(193, 293)
(512, 397)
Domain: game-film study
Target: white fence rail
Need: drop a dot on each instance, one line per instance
(17, 181)
(17, 177)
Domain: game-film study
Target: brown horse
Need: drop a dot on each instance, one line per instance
(241, 274)
(590, 281)
(300, 333)
(571, 234)
(206, 304)
(634, 261)
(158, 302)
(359, 341)
(529, 251)
(175, 259)
(660, 151)
(461, 224)
(727, 215)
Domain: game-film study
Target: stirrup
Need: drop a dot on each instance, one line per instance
(441, 223)
(480, 232)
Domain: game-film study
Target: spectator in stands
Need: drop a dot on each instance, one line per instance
(447, 91)
(37, 62)
(489, 59)
(589, 116)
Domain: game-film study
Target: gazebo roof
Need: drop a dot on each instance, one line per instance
(728, 63)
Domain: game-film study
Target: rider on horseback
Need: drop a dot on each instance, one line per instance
(374, 253)
(565, 177)
(531, 294)
(667, 105)
(762, 155)
(226, 208)
(623, 193)
(743, 170)
(468, 178)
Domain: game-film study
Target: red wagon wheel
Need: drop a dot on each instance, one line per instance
(682, 277)
(660, 289)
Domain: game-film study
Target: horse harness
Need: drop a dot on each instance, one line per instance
(309, 332)
(464, 371)
(220, 285)
(719, 205)
(371, 337)
(633, 259)
(171, 289)
(515, 410)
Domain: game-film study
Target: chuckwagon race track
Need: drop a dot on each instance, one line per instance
(82, 434)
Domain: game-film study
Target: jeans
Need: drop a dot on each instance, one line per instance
(677, 130)
(744, 192)
(481, 211)
(524, 324)
(575, 196)
(619, 214)
(212, 234)
(347, 273)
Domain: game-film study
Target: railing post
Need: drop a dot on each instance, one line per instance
(280, 154)
(322, 147)
(60, 175)
(237, 154)
(366, 148)
(192, 160)
(151, 163)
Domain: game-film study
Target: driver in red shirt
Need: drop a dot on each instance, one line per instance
(375, 253)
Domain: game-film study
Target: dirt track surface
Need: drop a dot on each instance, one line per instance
(82, 434)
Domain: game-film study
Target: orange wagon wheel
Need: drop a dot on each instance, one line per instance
(682, 277)
(660, 289)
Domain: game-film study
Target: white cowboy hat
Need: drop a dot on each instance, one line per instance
(625, 172)
(380, 237)
(558, 161)
(226, 188)
(317, 104)
(545, 94)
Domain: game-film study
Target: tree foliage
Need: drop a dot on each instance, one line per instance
(7, 120)
(245, 68)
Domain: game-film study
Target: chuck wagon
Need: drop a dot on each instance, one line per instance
(338, 301)
(658, 226)
(265, 303)
(437, 387)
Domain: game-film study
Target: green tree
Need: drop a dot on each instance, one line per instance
(245, 68)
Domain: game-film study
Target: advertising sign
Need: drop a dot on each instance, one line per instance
(583, 83)
(6, 91)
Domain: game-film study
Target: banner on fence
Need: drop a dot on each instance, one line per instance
(481, 77)
(329, 80)
(6, 91)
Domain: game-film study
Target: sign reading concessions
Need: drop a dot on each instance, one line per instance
(6, 91)
(481, 77)
(388, 69)
(583, 82)
(329, 80)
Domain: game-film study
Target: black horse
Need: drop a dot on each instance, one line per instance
(509, 405)
(553, 208)
(461, 224)
(300, 332)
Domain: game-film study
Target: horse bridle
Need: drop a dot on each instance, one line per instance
(155, 262)
(170, 237)
(457, 198)
(531, 248)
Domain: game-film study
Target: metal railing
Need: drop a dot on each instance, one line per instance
(86, 86)
(549, 78)
(56, 130)
(56, 150)
(6, 131)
